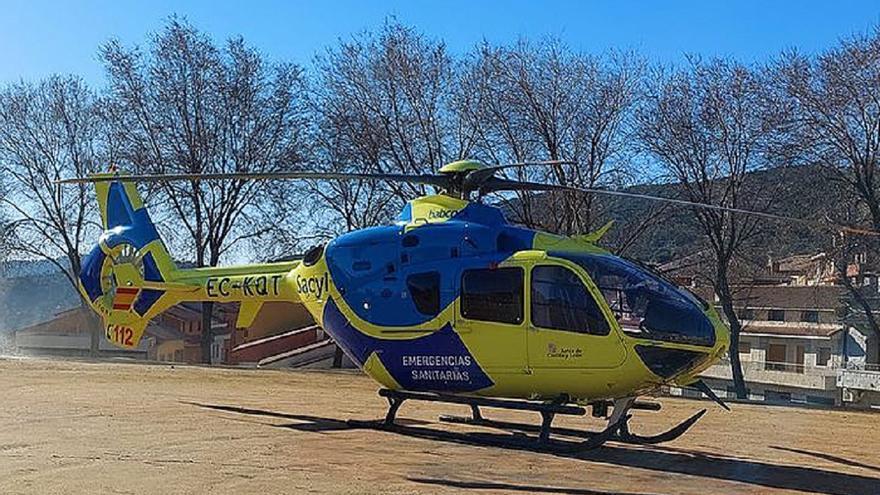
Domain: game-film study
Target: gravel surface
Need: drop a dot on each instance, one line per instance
(73, 427)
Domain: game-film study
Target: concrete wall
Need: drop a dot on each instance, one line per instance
(817, 379)
(773, 394)
(32, 342)
(810, 383)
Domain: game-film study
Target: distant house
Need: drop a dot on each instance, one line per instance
(69, 333)
(182, 340)
(694, 271)
(173, 336)
(283, 334)
(793, 347)
(41, 313)
(804, 269)
(796, 345)
(31, 297)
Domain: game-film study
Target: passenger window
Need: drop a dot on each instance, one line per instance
(424, 288)
(562, 302)
(492, 295)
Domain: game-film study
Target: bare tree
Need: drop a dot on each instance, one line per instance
(836, 97)
(190, 106)
(708, 127)
(382, 104)
(4, 221)
(48, 131)
(542, 100)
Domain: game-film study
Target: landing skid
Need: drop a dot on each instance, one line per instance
(623, 435)
(617, 427)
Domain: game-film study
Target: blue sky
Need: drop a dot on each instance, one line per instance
(38, 38)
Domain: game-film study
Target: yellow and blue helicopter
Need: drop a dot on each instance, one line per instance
(450, 303)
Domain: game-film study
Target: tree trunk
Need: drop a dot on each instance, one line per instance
(865, 306)
(739, 382)
(95, 323)
(862, 303)
(337, 357)
(723, 288)
(207, 331)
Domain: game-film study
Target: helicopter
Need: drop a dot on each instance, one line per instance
(450, 303)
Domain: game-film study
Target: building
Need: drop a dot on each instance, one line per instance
(795, 349)
(174, 336)
(791, 345)
(804, 269)
(283, 334)
(41, 313)
(796, 344)
(69, 333)
(184, 343)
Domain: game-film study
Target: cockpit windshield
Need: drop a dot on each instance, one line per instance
(645, 305)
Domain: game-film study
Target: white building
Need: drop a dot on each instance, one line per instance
(794, 349)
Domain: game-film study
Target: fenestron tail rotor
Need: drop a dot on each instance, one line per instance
(459, 179)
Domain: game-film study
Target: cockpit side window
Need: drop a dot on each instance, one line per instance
(644, 304)
(494, 294)
(560, 301)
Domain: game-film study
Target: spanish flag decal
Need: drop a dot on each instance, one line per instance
(125, 297)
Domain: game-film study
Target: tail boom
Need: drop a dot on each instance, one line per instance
(129, 277)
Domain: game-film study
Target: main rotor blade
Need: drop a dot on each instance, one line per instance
(475, 179)
(503, 166)
(511, 185)
(434, 180)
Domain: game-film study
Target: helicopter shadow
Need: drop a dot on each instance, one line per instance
(303, 422)
(653, 458)
(494, 485)
(829, 458)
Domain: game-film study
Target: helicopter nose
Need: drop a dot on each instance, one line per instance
(682, 366)
(670, 362)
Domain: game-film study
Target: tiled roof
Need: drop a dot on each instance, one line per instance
(792, 331)
(798, 262)
(818, 297)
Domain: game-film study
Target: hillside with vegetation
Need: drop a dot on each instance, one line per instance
(673, 231)
(28, 300)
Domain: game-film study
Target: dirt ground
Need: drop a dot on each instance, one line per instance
(70, 427)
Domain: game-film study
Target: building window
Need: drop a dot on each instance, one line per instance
(823, 356)
(493, 295)
(822, 401)
(775, 360)
(747, 314)
(810, 316)
(776, 315)
(425, 291)
(745, 347)
(799, 352)
(775, 396)
(561, 301)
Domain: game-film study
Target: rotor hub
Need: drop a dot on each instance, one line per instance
(461, 166)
